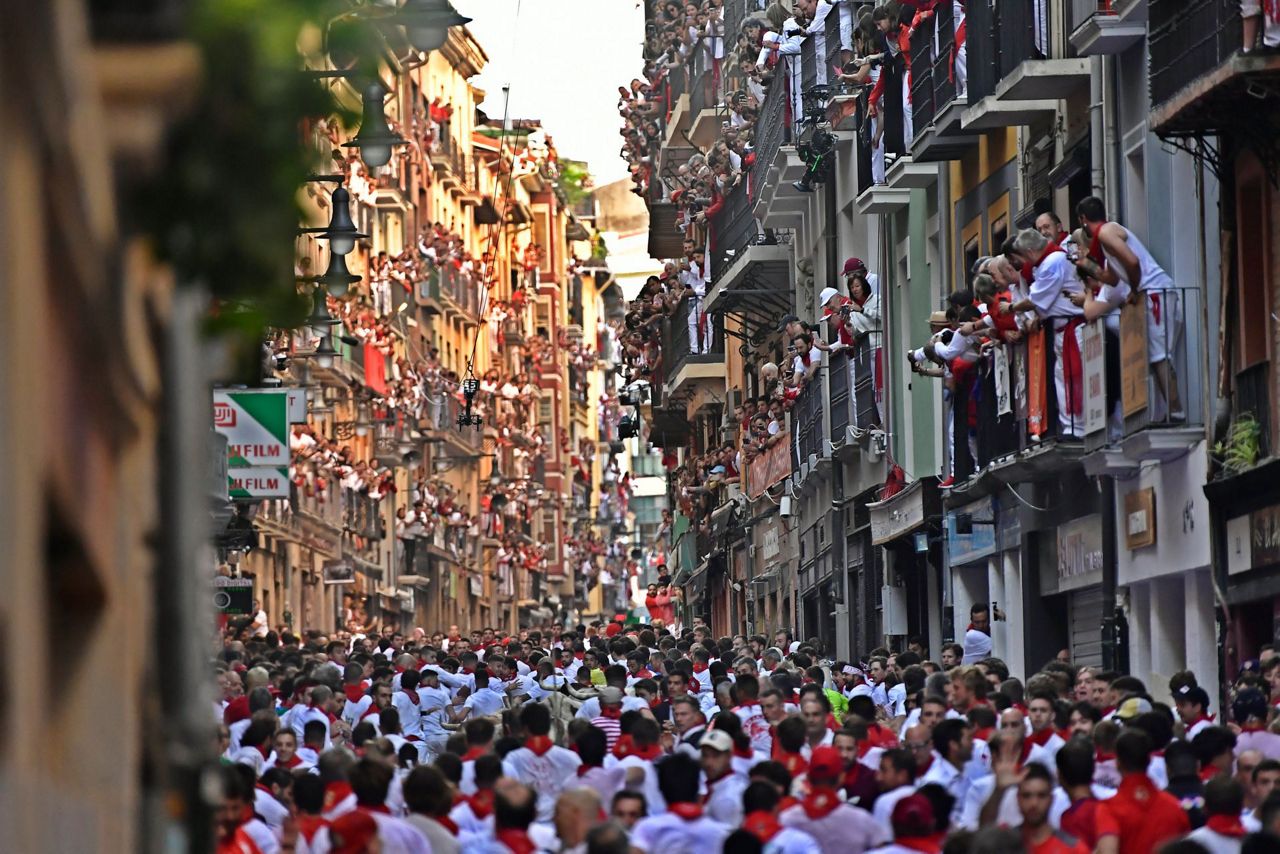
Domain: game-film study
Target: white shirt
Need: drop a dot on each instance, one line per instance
(485, 701)
(272, 811)
(431, 703)
(883, 809)
(670, 834)
(654, 801)
(590, 708)
(724, 799)
(791, 840)
(845, 830)
(548, 774)
(950, 778)
(1055, 278)
(897, 700)
(756, 728)
(1215, 842)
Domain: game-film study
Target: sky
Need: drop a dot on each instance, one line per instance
(564, 61)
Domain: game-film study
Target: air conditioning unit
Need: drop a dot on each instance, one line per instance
(828, 448)
(784, 507)
(850, 435)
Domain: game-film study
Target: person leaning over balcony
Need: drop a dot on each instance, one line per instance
(1053, 280)
(897, 48)
(1116, 258)
(806, 358)
(694, 274)
(1264, 15)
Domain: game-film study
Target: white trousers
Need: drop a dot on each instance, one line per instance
(1069, 426)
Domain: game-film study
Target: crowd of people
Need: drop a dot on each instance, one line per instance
(1048, 282)
(609, 739)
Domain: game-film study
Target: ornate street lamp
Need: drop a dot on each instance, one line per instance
(324, 354)
(427, 22)
(375, 138)
(320, 321)
(341, 231)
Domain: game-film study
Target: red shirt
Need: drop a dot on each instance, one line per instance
(1141, 815)
(1054, 844)
(1081, 821)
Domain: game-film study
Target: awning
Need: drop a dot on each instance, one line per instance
(485, 213)
(665, 241)
(755, 288)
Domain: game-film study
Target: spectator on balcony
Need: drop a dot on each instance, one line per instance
(1261, 15)
(897, 49)
(1053, 280)
(1114, 256)
(694, 275)
(806, 359)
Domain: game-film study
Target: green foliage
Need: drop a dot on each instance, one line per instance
(222, 209)
(1242, 447)
(574, 181)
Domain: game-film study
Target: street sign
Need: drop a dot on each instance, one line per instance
(256, 424)
(233, 596)
(258, 482)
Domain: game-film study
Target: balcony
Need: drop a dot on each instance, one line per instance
(704, 99)
(937, 96)
(875, 194)
(1012, 78)
(1007, 428)
(459, 293)
(751, 268)
(851, 388)
(776, 162)
(686, 371)
(1128, 419)
(1097, 30)
(807, 430)
(1200, 82)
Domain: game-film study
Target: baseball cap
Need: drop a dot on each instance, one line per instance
(912, 817)
(852, 266)
(786, 318)
(825, 761)
(1131, 708)
(826, 295)
(610, 696)
(717, 469)
(1192, 694)
(719, 740)
(977, 265)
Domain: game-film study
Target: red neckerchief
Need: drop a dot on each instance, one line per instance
(1253, 728)
(973, 628)
(624, 746)
(373, 711)
(642, 673)
(612, 712)
(1208, 772)
(762, 824)
(820, 802)
(699, 667)
(517, 840)
(447, 823)
(686, 811)
(983, 733)
(787, 802)
(539, 744)
(921, 770)
(649, 752)
(469, 669)
(335, 793)
(795, 763)
(412, 695)
(293, 762)
(399, 669)
(743, 752)
(1041, 736)
(578, 656)
(1022, 708)
(481, 803)
(1202, 719)
(264, 788)
(240, 843)
(1095, 244)
(353, 692)
(1102, 756)
(584, 768)
(1027, 744)
(309, 825)
(1226, 825)
(881, 736)
(265, 751)
(378, 808)
(927, 844)
(473, 753)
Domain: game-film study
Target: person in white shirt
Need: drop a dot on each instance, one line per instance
(838, 827)
(683, 829)
(953, 748)
(429, 798)
(760, 802)
(432, 703)
(540, 763)
(895, 776)
(724, 787)
(637, 765)
(484, 701)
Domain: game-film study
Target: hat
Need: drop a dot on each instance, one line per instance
(795, 645)
(352, 832)
(1131, 708)
(718, 740)
(912, 817)
(826, 295)
(1192, 694)
(786, 318)
(825, 762)
(612, 629)
(610, 696)
(938, 318)
(852, 266)
(717, 469)
(977, 265)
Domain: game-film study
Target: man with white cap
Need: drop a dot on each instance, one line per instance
(723, 800)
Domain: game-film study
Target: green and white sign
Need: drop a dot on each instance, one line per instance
(258, 482)
(256, 424)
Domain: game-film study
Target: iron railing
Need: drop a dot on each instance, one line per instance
(733, 229)
(1080, 11)
(772, 129)
(982, 48)
(1253, 397)
(806, 424)
(838, 387)
(675, 337)
(945, 85)
(922, 50)
(1001, 36)
(1187, 40)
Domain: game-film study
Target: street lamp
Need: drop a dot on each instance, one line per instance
(341, 231)
(324, 354)
(320, 320)
(337, 280)
(427, 22)
(363, 425)
(375, 138)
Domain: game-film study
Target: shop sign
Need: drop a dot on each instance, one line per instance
(769, 467)
(971, 532)
(339, 571)
(1264, 535)
(1094, 358)
(477, 585)
(233, 596)
(1239, 544)
(1140, 518)
(1080, 553)
(256, 424)
(1009, 526)
(770, 544)
(258, 482)
(1134, 368)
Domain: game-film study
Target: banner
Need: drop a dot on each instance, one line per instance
(1036, 399)
(1133, 357)
(769, 467)
(1094, 356)
(233, 597)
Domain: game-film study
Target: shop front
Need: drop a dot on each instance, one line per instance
(906, 527)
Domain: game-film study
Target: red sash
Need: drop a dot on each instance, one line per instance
(1226, 825)
(539, 744)
(517, 840)
(686, 811)
(762, 824)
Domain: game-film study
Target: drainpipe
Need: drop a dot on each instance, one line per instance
(1111, 140)
(1096, 154)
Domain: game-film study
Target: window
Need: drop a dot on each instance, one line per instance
(999, 234)
(1252, 298)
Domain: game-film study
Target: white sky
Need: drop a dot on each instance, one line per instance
(564, 61)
